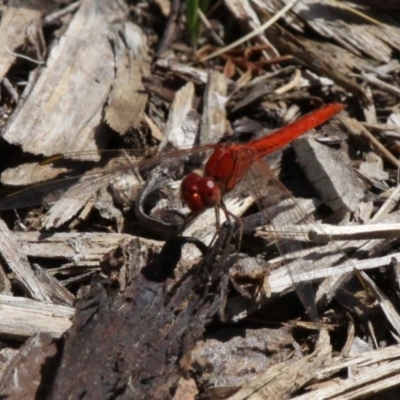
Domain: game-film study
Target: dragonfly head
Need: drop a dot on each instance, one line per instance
(200, 193)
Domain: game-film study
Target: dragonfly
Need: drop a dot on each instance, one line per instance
(228, 164)
(225, 168)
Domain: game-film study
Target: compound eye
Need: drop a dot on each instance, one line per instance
(190, 192)
(209, 191)
(200, 193)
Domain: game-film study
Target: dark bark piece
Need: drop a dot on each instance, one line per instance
(171, 28)
(169, 224)
(131, 346)
(380, 5)
(21, 380)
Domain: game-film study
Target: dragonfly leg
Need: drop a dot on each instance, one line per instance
(238, 221)
(229, 217)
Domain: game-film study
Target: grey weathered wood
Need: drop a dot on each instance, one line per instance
(15, 20)
(81, 248)
(282, 380)
(21, 318)
(182, 124)
(379, 370)
(197, 75)
(330, 174)
(128, 98)
(213, 121)
(64, 108)
(17, 261)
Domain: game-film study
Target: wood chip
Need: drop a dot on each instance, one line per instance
(331, 176)
(181, 129)
(382, 373)
(27, 367)
(19, 264)
(15, 20)
(80, 248)
(21, 318)
(81, 62)
(103, 73)
(128, 98)
(282, 380)
(213, 121)
(354, 127)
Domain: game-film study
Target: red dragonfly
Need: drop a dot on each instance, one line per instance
(228, 164)
(225, 168)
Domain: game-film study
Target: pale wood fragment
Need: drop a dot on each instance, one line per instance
(182, 124)
(392, 89)
(392, 127)
(358, 33)
(364, 212)
(197, 75)
(80, 248)
(307, 52)
(28, 173)
(320, 233)
(78, 76)
(373, 172)
(128, 98)
(282, 380)
(14, 23)
(67, 208)
(354, 232)
(330, 21)
(279, 281)
(331, 176)
(165, 6)
(17, 261)
(247, 17)
(6, 356)
(335, 280)
(60, 294)
(186, 390)
(21, 318)
(381, 371)
(328, 287)
(61, 13)
(10, 89)
(386, 305)
(214, 112)
(83, 191)
(204, 227)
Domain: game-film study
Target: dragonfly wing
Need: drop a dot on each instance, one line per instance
(80, 168)
(37, 194)
(282, 212)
